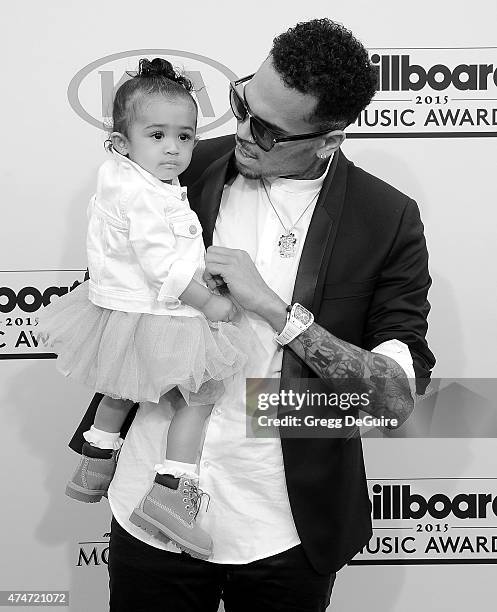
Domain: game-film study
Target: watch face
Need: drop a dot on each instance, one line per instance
(302, 314)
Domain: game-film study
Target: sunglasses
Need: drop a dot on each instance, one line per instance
(263, 135)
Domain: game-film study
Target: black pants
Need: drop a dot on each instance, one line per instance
(146, 579)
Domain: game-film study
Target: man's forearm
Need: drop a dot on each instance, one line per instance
(330, 357)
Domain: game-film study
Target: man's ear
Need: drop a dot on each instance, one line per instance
(119, 142)
(330, 143)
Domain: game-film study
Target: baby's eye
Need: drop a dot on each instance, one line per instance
(184, 137)
(157, 135)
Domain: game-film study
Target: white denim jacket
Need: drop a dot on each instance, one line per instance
(144, 243)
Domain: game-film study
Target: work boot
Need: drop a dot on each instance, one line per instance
(92, 478)
(171, 507)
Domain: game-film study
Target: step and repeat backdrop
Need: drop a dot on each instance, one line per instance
(430, 131)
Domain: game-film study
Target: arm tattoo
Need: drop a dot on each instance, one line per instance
(332, 358)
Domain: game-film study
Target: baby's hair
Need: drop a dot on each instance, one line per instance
(156, 77)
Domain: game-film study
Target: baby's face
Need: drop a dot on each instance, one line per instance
(162, 136)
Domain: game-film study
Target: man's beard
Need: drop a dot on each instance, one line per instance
(314, 170)
(247, 172)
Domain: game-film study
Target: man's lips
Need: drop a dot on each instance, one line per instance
(244, 151)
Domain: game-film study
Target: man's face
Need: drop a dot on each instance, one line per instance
(286, 111)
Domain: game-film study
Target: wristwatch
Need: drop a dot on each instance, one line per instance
(298, 319)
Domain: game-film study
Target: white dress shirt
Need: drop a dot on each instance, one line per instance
(249, 515)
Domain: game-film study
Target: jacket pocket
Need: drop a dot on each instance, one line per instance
(187, 228)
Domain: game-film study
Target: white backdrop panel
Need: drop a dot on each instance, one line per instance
(47, 171)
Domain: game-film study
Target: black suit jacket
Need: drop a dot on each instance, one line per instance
(363, 273)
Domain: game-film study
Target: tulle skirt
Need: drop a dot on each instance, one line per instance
(139, 356)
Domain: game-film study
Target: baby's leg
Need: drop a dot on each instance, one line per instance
(185, 431)
(109, 418)
(111, 414)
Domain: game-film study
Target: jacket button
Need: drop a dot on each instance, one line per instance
(193, 230)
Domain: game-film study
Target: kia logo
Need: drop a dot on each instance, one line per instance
(91, 90)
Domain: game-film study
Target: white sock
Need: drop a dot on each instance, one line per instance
(103, 439)
(177, 468)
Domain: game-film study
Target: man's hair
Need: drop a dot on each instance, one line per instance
(322, 58)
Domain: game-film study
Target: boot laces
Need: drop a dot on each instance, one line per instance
(195, 495)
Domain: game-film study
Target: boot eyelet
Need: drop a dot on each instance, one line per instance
(186, 482)
(185, 491)
(184, 499)
(190, 513)
(187, 507)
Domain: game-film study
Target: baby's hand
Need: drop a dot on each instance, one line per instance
(219, 308)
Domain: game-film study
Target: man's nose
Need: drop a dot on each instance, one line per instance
(243, 130)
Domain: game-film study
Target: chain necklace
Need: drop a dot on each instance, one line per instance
(287, 242)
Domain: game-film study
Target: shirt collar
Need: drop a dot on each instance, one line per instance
(300, 185)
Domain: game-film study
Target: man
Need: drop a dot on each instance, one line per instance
(288, 222)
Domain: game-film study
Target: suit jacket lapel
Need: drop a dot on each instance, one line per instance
(316, 253)
(205, 195)
(205, 198)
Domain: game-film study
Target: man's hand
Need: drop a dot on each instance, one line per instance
(238, 272)
(235, 269)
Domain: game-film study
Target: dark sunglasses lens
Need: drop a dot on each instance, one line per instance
(259, 132)
(261, 135)
(237, 105)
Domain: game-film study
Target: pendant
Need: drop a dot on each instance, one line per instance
(287, 245)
